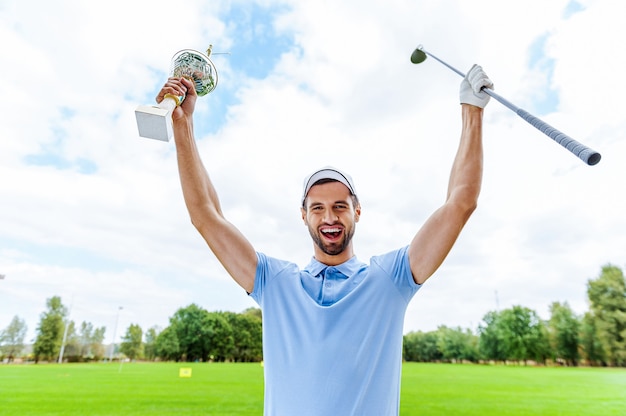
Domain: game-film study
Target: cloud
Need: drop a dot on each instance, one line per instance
(94, 213)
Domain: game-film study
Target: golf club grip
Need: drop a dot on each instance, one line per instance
(587, 155)
(584, 153)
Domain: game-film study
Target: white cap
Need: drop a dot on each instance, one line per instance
(327, 172)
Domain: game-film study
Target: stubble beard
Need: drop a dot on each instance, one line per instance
(332, 249)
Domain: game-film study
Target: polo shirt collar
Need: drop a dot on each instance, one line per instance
(348, 268)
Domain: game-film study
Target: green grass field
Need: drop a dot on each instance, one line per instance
(237, 389)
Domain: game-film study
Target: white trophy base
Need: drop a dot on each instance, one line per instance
(155, 122)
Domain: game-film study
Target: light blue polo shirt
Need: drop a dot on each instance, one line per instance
(332, 336)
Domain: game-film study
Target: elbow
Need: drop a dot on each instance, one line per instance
(469, 210)
(466, 209)
(466, 202)
(471, 205)
(200, 216)
(471, 200)
(461, 211)
(197, 224)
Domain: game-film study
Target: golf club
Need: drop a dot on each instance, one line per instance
(587, 155)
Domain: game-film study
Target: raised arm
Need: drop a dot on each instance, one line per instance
(231, 248)
(435, 239)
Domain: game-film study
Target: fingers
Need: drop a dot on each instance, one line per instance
(478, 79)
(471, 87)
(184, 92)
(189, 102)
(190, 86)
(175, 86)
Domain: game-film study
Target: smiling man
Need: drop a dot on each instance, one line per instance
(332, 332)
(331, 213)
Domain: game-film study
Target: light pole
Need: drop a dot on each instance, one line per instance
(119, 308)
(67, 324)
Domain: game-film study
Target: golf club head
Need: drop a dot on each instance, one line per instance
(418, 56)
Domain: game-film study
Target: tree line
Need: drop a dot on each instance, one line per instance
(193, 334)
(516, 334)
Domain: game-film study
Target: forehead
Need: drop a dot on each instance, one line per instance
(330, 191)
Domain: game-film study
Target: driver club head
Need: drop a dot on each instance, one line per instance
(418, 56)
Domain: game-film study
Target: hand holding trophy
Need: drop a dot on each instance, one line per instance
(155, 121)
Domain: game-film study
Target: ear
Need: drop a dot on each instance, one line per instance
(357, 213)
(303, 212)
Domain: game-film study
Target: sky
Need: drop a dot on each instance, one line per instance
(93, 213)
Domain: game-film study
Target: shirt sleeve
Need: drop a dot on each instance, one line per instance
(395, 265)
(267, 269)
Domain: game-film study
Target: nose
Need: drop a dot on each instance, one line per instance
(330, 217)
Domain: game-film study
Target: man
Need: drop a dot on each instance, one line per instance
(332, 332)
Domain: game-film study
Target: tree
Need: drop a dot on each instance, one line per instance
(90, 341)
(456, 344)
(564, 331)
(591, 345)
(12, 338)
(149, 348)
(515, 334)
(220, 339)
(167, 346)
(247, 336)
(50, 331)
(607, 296)
(421, 347)
(491, 338)
(192, 332)
(254, 312)
(197, 335)
(525, 336)
(132, 345)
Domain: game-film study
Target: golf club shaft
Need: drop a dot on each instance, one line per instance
(586, 154)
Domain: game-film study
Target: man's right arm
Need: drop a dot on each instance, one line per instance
(228, 244)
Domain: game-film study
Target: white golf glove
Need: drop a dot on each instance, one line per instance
(471, 87)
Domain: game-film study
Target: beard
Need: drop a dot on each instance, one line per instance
(332, 249)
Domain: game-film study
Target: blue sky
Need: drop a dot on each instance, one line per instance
(547, 101)
(256, 47)
(93, 213)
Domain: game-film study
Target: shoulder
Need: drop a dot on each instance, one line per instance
(271, 266)
(395, 266)
(391, 260)
(268, 270)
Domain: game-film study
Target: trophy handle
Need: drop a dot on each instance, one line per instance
(177, 100)
(155, 121)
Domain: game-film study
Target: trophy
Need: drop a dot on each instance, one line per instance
(155, 121)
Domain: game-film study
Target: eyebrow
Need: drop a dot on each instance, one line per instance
(339, 201)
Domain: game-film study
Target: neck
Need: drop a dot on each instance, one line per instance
(333, 260)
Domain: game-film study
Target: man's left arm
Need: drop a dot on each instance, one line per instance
(435, 239)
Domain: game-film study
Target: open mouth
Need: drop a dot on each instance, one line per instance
(332, 233)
